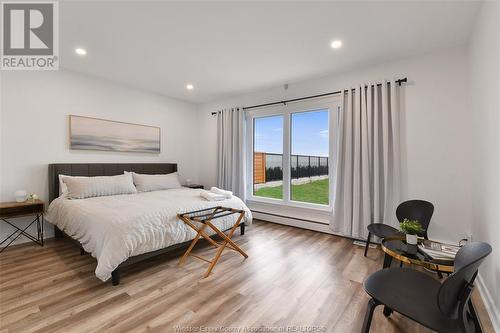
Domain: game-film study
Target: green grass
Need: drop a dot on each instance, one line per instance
(314, 192)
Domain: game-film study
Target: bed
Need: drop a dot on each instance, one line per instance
(121, 230)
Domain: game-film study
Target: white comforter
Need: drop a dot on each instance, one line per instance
(114, 228)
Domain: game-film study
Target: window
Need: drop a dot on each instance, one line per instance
(309, 157)
(268, 157)
(289, 153)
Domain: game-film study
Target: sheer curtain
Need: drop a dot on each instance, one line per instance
(367, 187)
(230, 150)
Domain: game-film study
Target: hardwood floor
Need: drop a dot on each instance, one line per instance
(292, 277)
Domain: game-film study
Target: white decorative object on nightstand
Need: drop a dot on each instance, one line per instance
(20, 196)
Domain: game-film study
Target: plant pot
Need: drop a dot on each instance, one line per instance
(411, 239)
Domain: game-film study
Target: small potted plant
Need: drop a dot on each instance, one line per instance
(411, 228)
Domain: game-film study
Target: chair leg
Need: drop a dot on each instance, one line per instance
(372, 304)
(367, 242)
(82, 251)
(242, 228)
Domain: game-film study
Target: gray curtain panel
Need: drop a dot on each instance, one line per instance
(231, 164)
(367, 179)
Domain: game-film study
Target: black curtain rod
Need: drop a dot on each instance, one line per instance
(399, 82)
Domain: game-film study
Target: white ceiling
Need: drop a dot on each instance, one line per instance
(226, 48)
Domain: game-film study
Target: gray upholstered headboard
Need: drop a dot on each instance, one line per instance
(101, 169)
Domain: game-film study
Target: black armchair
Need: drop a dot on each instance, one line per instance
(413, 209)
(443, 307)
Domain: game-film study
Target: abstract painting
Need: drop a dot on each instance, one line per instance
(101, 134)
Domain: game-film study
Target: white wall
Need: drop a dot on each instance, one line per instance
(485, 108)
(436, 127)
(34, 126)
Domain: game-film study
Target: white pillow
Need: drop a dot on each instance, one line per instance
(148, 183)
(88, 187)
(63, 189)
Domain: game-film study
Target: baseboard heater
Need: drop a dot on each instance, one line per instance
(288, 217)
(357, 241)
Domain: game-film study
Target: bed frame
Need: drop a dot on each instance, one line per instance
(111, 169)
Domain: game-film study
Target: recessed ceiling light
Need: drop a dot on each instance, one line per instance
(189, 86)
(80, 51)
(336, 44)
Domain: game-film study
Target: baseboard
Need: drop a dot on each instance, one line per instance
(488, 303)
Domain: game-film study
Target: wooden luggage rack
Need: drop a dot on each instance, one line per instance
(205, 217)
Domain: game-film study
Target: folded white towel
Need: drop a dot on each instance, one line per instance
(227, 194)
(210, 196)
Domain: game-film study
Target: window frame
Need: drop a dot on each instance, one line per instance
(332, 104)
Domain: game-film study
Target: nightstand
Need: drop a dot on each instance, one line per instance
(194, 186)
(34, 208)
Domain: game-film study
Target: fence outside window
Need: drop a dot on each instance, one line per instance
(269, 166)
